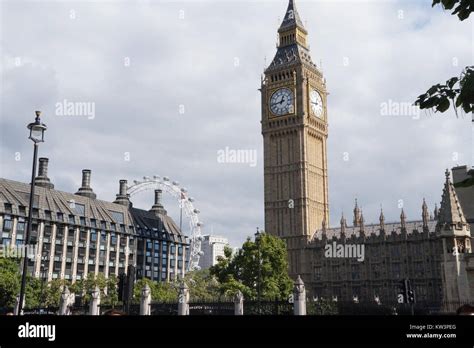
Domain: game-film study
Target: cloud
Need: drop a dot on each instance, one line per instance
(142, 63)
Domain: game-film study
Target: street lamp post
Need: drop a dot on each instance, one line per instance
(37, 130)
(259, 279)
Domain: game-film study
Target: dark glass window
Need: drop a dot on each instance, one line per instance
(7, 225)
(8, 208)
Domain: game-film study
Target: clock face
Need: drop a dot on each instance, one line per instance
(281, 102)
(316, 103)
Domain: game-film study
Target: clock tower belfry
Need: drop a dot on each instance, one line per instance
(295, 130)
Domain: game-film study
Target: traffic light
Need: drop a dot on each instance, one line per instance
(406, 294)
(411, 296)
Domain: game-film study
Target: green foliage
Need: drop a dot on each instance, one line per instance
(463, 8)
(202, 285)
(263, 261)
(53, 290)
(108, 288)
(32, 292)
(321, 307)
(10, 282)
(457, 91)
(160, 291)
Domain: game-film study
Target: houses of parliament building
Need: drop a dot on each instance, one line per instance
(434, 252)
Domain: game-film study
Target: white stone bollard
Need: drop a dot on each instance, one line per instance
(183, 299)
(299, 293)
(95, 302)
(239, 303)
(145, 301)
(64, 302)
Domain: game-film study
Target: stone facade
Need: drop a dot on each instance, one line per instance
(294, 129)
(433, 252)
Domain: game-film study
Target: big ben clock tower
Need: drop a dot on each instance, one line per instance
(295, 130)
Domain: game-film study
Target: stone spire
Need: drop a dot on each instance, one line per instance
(403, 219)
(382, 220)
(361, 221)
(450, 212)
(292, 18)
(357, 214)
(425, 214)
(436, 212)
(343, 223)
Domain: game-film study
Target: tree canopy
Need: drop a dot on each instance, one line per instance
(458, 91)
(260, 262)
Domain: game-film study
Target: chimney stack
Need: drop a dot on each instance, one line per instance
(85, 190)
(42, 179)
(122, 196)
(158, 195)
(158, 207)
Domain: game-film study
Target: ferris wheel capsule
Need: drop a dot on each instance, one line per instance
(196, 211)
(175, 183)
(200, 224)
(191, 199)
(136, 182)
(146, 178)
(183, 189)
(156, 177)
(165, 178)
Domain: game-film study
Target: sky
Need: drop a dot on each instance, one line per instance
(170, 84)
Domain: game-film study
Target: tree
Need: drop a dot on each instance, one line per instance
(52, 292)
(202, 285)
(242, 272)
(9, 282)
(457, 90)
(160, 292)
(107, 287)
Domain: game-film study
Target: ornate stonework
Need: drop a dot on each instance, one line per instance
(294, 128)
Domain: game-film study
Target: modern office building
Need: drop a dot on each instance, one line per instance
(77, 235)
(212, 247)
